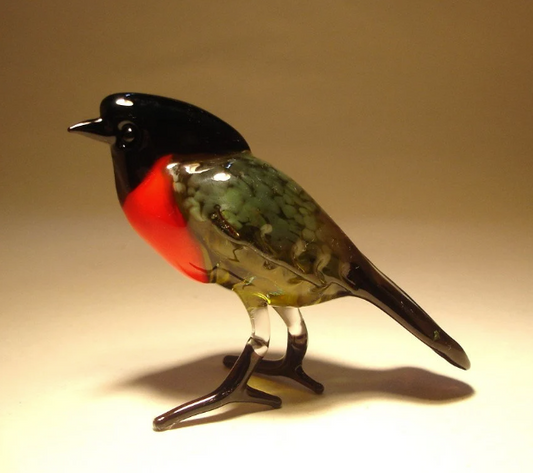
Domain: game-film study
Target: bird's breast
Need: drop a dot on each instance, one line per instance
(153, 213)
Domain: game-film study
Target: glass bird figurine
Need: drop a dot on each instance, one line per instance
(190, 186)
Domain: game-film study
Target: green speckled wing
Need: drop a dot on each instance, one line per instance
(253, 204)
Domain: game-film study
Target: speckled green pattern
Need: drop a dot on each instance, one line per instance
(244, 209)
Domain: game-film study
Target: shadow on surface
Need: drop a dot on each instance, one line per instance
(343, 384)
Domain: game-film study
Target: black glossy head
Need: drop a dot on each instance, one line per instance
(133, 120)
(141, 128)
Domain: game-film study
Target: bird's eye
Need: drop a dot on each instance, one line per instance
(128, 134)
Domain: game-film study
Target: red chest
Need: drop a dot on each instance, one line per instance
(152, 211)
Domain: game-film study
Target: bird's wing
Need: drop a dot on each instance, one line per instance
(256, 205)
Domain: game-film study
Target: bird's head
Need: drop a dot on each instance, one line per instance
(141, 128)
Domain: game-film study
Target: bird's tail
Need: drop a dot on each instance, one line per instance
(371, 284)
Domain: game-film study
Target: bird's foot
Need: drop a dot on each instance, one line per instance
(282, 367)
(217, 398)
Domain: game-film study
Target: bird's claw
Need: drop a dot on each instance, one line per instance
(282, 367)
(216, 399)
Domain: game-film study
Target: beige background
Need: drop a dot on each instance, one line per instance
(409, 121)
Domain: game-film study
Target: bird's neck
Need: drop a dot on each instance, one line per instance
(129, 172)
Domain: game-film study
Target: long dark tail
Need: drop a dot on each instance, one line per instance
(371, 284)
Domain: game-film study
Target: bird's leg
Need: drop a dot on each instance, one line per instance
(235, 387)
(290, 365)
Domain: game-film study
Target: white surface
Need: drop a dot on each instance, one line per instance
(99, 336)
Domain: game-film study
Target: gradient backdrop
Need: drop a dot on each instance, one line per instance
(409, 121)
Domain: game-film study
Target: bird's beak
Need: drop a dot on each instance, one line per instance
(94, 129)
